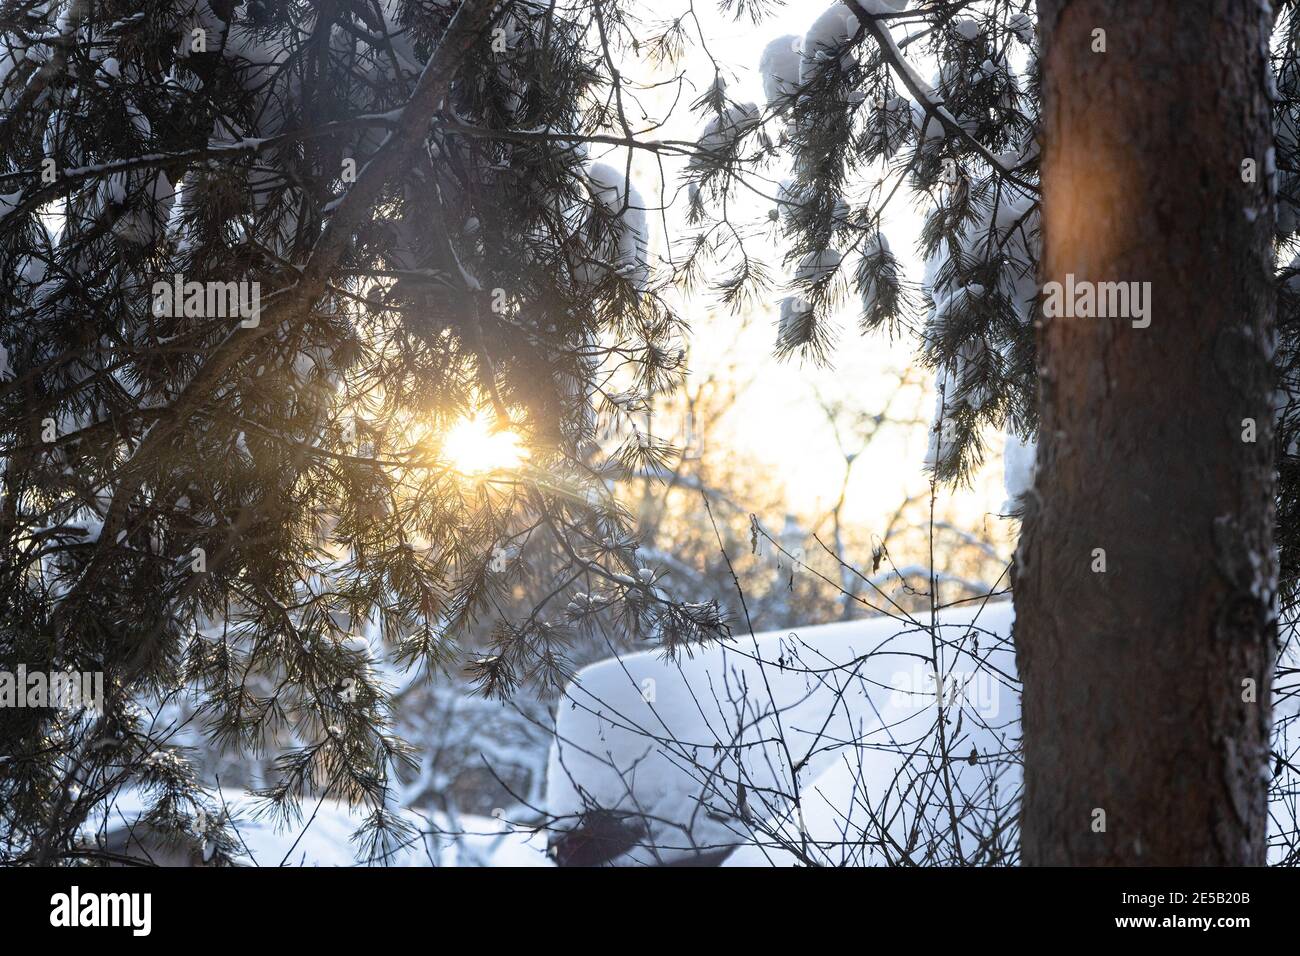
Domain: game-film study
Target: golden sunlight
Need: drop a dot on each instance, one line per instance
(474, 447)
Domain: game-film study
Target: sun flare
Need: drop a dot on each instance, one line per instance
(473, 447)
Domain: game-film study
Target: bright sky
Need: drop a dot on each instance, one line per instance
(778, 426)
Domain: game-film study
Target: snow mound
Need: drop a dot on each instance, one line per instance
(830, 36)
(695, 757)
(622, 201)
(779, 66)
(1019, 462)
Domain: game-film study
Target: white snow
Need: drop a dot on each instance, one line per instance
(884, 7)
(828, 37)
(966, 28)
(779, 66)
(324, 835)
(1019, 461)
(670, 742)
(722, 131)
(673, 741)
(942, 441)
(9, 202)
(817, 266)
(1023, 26)
(611, 188)
(795, 324)
(875, 247)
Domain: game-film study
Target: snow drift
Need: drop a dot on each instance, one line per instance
(830, 745)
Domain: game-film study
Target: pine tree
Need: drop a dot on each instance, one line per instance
(259, 259)
(1146, 627)
(862, 130)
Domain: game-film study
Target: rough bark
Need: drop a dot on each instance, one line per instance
(1133, 678)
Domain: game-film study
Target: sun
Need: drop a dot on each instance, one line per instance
(473, 447)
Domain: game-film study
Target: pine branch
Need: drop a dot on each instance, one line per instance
(918, 88)
(291, 304)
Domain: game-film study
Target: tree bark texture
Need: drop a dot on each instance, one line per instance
(1146, 684)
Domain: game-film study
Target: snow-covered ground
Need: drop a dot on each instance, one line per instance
(693, 757)
(689, 760)
(325, 836)
(820, 745)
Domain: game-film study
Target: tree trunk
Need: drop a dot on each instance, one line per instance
(1146, 684)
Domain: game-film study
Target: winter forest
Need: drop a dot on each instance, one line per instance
(638, 433)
